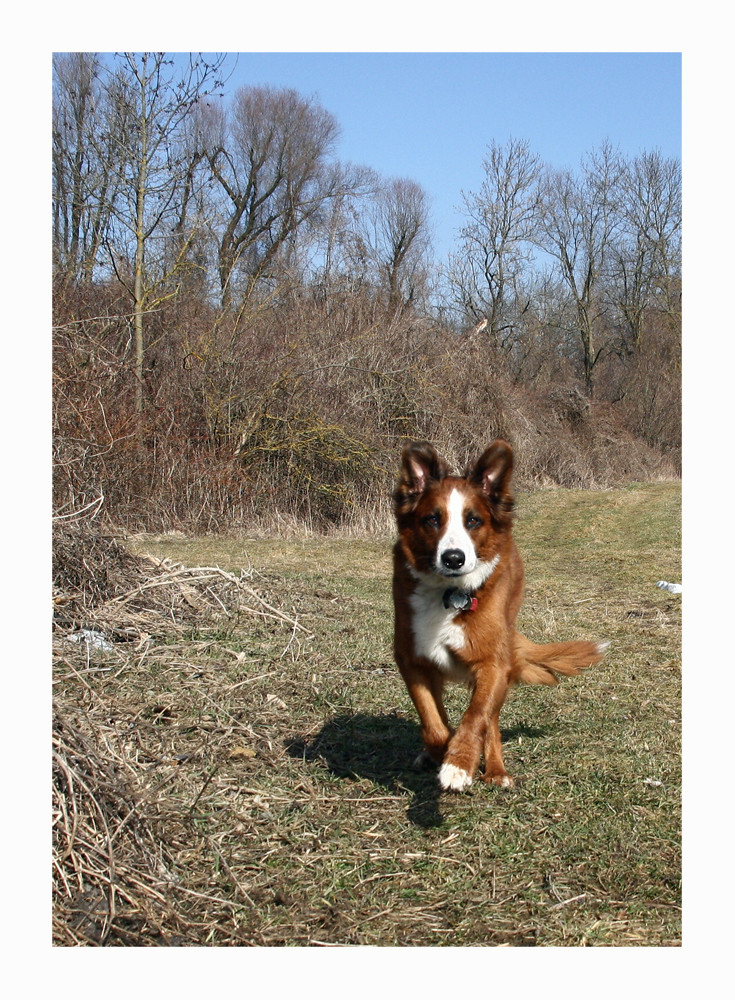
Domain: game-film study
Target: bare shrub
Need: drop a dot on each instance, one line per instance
(290, 415)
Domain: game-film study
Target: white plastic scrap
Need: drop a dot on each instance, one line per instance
(673, 588)
(96, 640)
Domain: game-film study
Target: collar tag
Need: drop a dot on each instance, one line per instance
(461, 600)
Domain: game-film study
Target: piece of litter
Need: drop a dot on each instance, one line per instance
(273, 699)
(673, 588)
(95, 639)
(652, 781)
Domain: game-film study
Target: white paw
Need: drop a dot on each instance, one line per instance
(454, 778)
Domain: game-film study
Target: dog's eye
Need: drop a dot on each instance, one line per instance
(472, 521)
(432, 520)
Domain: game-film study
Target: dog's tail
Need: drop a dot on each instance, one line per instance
(539, 664)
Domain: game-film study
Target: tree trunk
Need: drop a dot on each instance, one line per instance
(139, 286)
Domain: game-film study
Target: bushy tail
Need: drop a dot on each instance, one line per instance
(539, 664)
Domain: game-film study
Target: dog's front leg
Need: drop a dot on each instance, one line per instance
(425, 687)
(478, 729)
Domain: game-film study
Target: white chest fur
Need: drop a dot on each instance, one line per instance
(436, 634)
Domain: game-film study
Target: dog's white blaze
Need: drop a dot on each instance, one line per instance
(454, 778)
(455, 535)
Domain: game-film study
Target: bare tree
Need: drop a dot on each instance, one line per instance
(394, 236)
(578, 222)
(85, 163)
(270, 156)
(496, 239)
(647, 262)
(152, 99)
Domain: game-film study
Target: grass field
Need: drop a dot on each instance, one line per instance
(266, 755)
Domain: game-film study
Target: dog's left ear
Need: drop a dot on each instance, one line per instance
(493, 468)
(492, 473)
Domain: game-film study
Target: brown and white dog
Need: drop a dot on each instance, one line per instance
(457, 589)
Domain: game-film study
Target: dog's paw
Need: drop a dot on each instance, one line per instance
(501, 780)
(454, 779)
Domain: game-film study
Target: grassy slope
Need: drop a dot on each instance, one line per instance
(318, 830)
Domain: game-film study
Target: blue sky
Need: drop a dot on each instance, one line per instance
(430, 115)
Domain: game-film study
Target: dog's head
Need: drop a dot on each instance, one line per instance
(452, 526)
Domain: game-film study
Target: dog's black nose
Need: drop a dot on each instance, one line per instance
(453, 559)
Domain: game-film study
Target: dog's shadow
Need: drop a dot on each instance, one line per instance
(381, 748)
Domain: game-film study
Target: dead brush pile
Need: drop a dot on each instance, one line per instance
(127, 786)
(99, 586)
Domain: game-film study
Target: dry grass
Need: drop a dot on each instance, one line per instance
(236, 770)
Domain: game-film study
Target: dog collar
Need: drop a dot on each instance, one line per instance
(461, 600)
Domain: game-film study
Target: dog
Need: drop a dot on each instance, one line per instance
(457, 589)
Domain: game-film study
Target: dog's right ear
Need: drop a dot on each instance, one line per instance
(420, 464)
